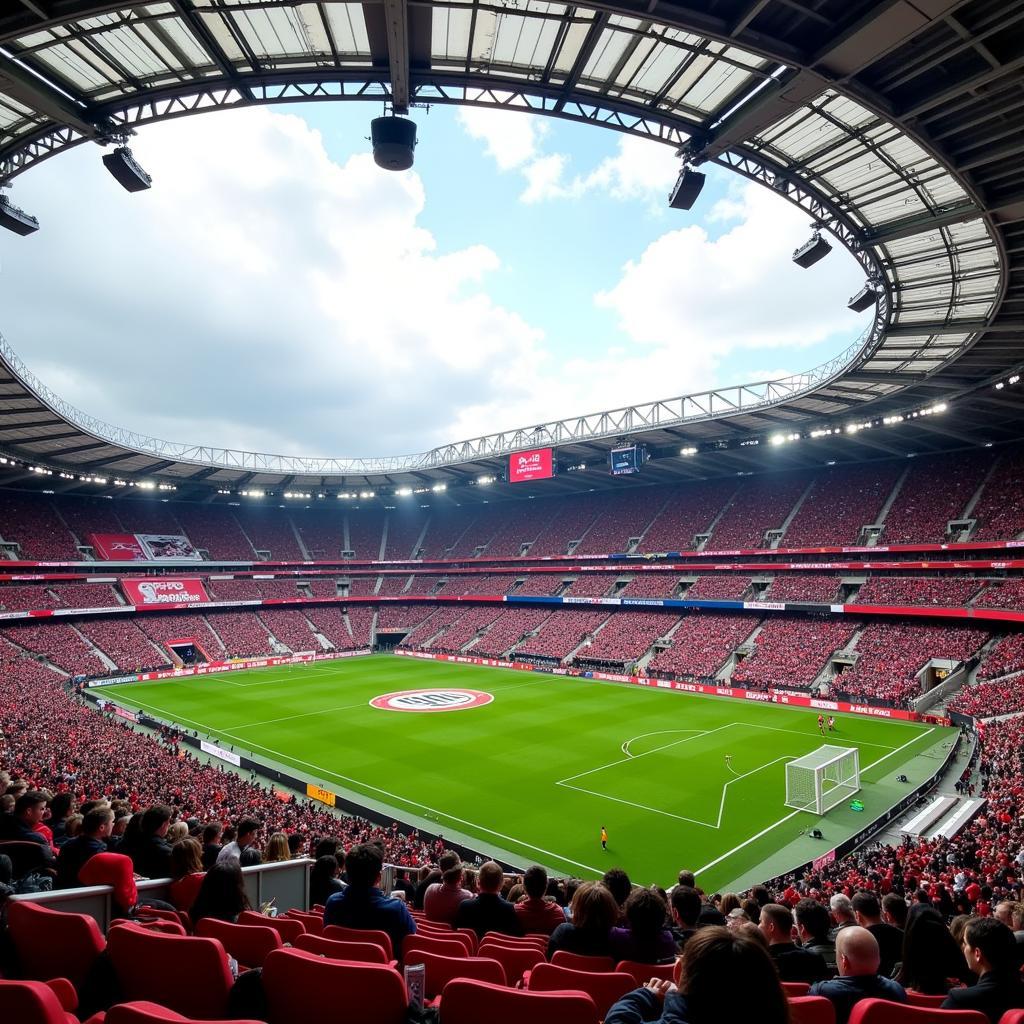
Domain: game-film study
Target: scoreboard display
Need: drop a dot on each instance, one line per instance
(622, 461)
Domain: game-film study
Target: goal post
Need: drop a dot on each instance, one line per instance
(822, 779)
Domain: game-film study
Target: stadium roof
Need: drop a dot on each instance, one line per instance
(898, 126)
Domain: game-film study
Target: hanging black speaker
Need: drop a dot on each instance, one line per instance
(394, 139)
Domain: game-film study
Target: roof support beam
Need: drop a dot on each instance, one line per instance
(210, 44)
(16, 81)
(74, 451)
(396, 19)
(958, 214)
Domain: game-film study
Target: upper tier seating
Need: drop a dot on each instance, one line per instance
(291, 628)
(590, 584)
(651, 584)
(1000, 509)
(1002, 594)
(1007, 656)
(365, 533)
(568, 520)
(540, 584)
(917, 590)
(83, 595)
(561, 633)
(722, 586)
(761, 504)
(802, 586)
(404, 529)
(21, 597)
(401, 616)
(242, 633)
(31, 522)
(215, 529)
(626, 637)
(623, 515)
(272, 531)
(689, 511)
(322, 533)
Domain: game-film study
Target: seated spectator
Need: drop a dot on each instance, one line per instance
(793, 962)
(725, 976)
(151, 853)
(362, 905)
(442, 899)
(685, 908)
(842, 914)
(23, 825)
(538, 914)
(248, 833)
(60, 811)
(646, 938)
(931, 960)
(296, 842)
(858, 958)
(868, 913)
(186, 872)
(75, 852)
(428, 876)
(991, 953)
(894, 910)
(276, 849)
(488, 911)
(323, 880)
(211, 843)
(617, 882)
(812, 925)
(1012, 915)
(222, 894)
(594, 914)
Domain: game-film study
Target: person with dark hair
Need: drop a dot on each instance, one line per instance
(617, 882)
(60, 811)
(646, 938)
(867, 912)
(812, 925)
(685, 909)
(594, 914)
(441, 900)
(248, 833)
(75, 852)
(22, 825)
(858, 958)
(151, 854)
(362, 905)
(990, 951)
(186, 872)
(894, 910)
(794, 962)
(931, 958)
(536, 912)
(725, 976)
(323, 880)
(488, 911)
(296, 841)
(222, 894)
(211, 843)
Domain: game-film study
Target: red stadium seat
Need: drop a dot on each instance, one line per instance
(189, 975)
(1012, 1017)
(382, 939)
(453, 946)
(879, 1011)
(515, 961)
(641, 973)
(249, 944)
(150, 924)
(52, 944)
(359, 952)
(152, 1013)
(287, 927)
(36, 1002)
(521, 941)
(578, 962)
(442, 969)
(811, 1010)
(605, 988)
(920, 999)
(477, 1002)
(795, 988)
(314, 922)
(304, 987)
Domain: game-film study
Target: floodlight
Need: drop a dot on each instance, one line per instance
(127, 171)
(816, 248)
(18, 221)
(864, 299)
(394, 139)
(687, 188)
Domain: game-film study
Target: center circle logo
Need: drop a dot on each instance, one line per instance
(432, 700)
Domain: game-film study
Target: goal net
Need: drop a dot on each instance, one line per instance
(822, 779)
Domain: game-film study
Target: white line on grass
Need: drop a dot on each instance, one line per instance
(659, 732)
(286, 758)
(804, 732)
(765, 831)
(639, 807)
(305, 714)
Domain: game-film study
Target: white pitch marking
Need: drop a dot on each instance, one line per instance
(660, 732)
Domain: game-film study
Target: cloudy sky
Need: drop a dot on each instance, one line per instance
(275, 291)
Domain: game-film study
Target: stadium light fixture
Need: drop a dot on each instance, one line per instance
(366, 494)
(813, 250)
(688, 451)
(437, 488)
(1014, 379)
(1000, 385)
(483, 481)
(403, 492)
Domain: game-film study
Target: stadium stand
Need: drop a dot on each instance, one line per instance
(891, 654)
(488, 521)
(1000, 509)
(689, 511)
(59, 644)
(568, 520)
(701, 645)
(793, 586)
(215, 530)
(82, 595)
(32, 523)
(520, 525)
(148, 517)
(289, 627)
(540, 584)
(444, 530)
(362, 586)
(439, 618)
(170, 626)
(365, 533)
(392, 586)
(322, 533)
(723, 586)
(471, 583)
(15, 597)
(89, 515)
(1002, 594)
(464, 628)
(404, 529)
(623, 515)
(792, 652)
(123, 643)
(508, 629)
(841, 501)
(651, 584)
(271, 531)
(563, 631)
(626, 637)
(423, 584)
(936, 490)
(761, 504)
(240, 589)
(917, 590)
(1007, 656)
(360, 621)
(402, 616)
(241, 633)
(593, 584)
(330, 621)
(986, 699)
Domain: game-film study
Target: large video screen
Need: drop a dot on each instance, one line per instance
(538, 464)
(626, 460)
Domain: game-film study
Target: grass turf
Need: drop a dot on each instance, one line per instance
(538, 771)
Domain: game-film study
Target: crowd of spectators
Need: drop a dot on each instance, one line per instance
(123, 643)
(624, 514)
(792, 652)
(401, 616)
(270, 531)
(59, 644)
(482, 529)
(444, 531)
(322, 533)
(761, 504)
(240, 589)
(423, 584)
(523, 526)
(365, 533)
(801, 586)
(215, 529)
(563, 631)
(701, 645)
(26, 597)
(567, 520)
(918, 590)
(360, 622)
(1002, 594)
(470, 622)
(590, 584)
(994, 697)
(688, 512)
(290, 628)
(362, 586)
(890, 655)
(651, 584)
(170, 626)
(392, 586)
(31, 522)
(81, 595)
(507, 630)
(626, 637)
(404, 529)
(721, 586)
(540, 584)
(1000, 509)
(1007, 656)
(330, 621)
(439, 618)
(479, 583)
(241, 633)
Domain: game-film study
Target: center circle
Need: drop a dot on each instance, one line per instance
(432, 700)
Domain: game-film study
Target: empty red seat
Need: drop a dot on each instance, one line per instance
(382, 939)
(186, 974)
(151, 1013)
(302, 986)
(477, 1002)
(811, 1010)
(455, 945)
(880, 1011)
(36, 1002)
(1012, 1017)
(287, 927)
(605, 987)
(314, 922)
(538, 941)
(578, 962)
(336, 949)
(53, 944)
(795, 988)
(249, 944)
(439, 970)
(640, 973)
(516, 962)
(920, 999)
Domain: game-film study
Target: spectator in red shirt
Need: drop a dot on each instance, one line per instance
(537, 914)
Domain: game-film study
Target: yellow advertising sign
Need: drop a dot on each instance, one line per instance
(325, 796)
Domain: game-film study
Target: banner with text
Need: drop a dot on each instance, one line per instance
(164, 592)
(117, 547)
(533, 465)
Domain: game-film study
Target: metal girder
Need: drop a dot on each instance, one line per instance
(36, 94)
(31, 424)
(958, 214)
(72, 451)
(396, 20)
(209, 42)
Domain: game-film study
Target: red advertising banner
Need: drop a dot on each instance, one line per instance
(162, 591)
(118, 547)
(538, 464)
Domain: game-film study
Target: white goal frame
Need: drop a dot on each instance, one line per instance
(822, 779)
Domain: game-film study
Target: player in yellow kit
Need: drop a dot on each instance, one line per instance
(604, 838)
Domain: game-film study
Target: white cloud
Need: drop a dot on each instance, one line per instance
(512, 138)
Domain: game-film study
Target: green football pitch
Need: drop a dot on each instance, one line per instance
(536, 773)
